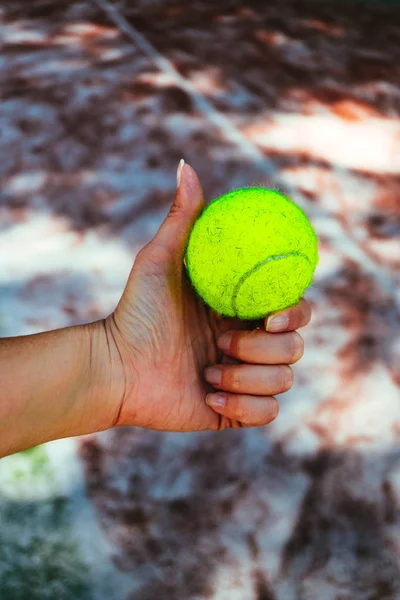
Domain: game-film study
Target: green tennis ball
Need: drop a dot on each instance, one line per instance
(251, 252)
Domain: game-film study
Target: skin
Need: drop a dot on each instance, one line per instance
(162, 360)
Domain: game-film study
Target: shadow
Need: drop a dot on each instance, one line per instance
(91, 132)
(371, 318)
(345, 525)
(283, 54)
(222, 508)
(39, 553)
(93, 115)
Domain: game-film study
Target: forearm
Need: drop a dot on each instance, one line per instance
(51, 387)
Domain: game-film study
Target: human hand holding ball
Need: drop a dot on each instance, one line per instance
(205, 331)
(251, 252)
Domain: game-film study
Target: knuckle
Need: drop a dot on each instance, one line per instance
(175, 208)
(151, 254)
(238, 344)
(245, 343)
(142, 254)
(238, 411)
(232, 379)
(297, 346)
(240, 415)
(234, 343)
(178, 207)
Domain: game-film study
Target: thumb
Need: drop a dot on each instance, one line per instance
(173, 233)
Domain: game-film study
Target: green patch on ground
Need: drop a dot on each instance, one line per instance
(40, 558)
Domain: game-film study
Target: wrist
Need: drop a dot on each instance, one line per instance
(107, 380)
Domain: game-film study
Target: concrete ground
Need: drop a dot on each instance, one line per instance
(98, 102)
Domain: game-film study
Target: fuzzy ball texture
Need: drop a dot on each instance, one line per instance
(251, 252)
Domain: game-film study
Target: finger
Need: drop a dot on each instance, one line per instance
(289, 319)
(260, 347)
(259, 380)
(174, 232)
(251, 411)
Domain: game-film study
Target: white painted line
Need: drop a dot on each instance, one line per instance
(231, 133)
(248, 149)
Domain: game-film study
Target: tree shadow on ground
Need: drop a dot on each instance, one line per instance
(87, 112)
(91, 131)
(222, 517)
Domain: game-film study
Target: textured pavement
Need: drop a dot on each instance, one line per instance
(98, 102)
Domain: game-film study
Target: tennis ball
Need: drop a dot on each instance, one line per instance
(251, 252)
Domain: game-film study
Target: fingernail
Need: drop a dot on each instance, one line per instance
(277, 323)
(179, 173)
(224, 342)
(216, 400)
(213, 375)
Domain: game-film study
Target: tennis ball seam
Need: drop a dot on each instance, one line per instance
(258, 266)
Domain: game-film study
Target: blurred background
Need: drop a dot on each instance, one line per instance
(98, 102)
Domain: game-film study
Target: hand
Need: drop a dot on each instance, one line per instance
(176, 365)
